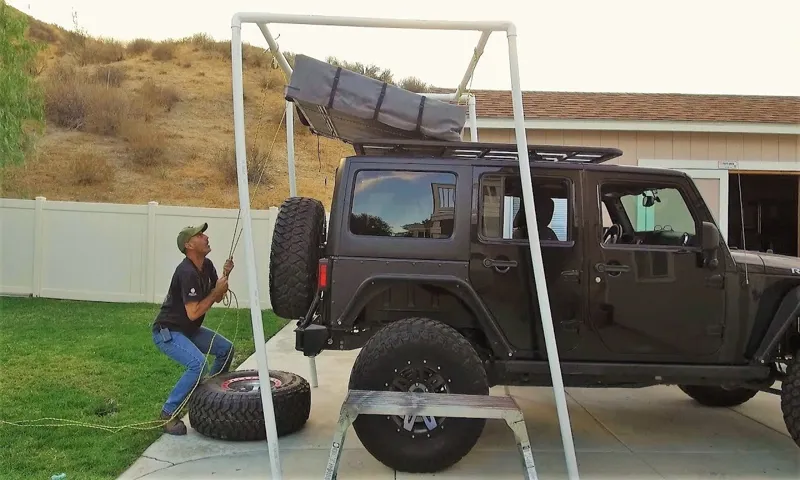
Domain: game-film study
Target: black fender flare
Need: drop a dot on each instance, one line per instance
(788, 312)
(374, 285)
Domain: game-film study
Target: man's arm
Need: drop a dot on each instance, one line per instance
(195, 310)
(190, 290)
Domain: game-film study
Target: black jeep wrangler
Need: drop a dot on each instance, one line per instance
(426, 268)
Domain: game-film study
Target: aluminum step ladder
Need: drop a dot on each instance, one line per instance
(364, 402)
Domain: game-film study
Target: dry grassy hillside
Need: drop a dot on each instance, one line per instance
(131, 123)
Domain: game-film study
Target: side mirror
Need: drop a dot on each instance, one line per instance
(710, 236)
(711, 244)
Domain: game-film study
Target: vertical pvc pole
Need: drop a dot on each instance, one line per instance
(250, 254)
(312, 362)
(312, 367)
(473, 119)
(290, 147)
(536, 259)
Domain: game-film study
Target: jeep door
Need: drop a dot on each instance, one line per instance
(651, 296)
(500, 263)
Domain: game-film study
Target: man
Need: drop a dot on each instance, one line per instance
(178, 329)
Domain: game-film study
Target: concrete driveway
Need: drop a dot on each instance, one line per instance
(619, 433)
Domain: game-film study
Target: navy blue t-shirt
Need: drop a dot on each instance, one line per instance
(188, 285)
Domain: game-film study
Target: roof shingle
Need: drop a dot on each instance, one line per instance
(640, 106)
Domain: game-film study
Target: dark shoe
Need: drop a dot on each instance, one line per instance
(174, 426)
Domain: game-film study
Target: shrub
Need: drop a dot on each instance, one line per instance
(74, 42)
(267, 82)
(146, 144)
(140, 46)
(88, 169)
(163, 51)
(414, 84)
(223, 49)
(38, 30)
(256, 158)
(109, 75)
(100, 51)
(74, 100)
(63, 70)
(202, 41)
(254, 56)
(160, 96)
(65, 99)
(371, 70)
(108, 108)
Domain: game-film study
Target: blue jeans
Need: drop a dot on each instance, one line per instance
(191, 353)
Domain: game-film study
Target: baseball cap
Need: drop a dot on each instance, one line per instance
(189, 232)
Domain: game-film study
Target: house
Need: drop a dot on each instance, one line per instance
(721, 141)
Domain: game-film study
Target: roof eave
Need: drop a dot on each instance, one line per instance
(641, 125)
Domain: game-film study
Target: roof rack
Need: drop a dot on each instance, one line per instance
(483, 150)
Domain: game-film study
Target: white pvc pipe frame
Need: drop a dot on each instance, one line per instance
(486, 28)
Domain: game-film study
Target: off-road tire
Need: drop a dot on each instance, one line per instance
(225, 414)
(712, 396)
(293, 261)
(790, 399)
(425, 344)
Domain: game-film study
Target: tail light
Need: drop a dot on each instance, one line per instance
(322, 274)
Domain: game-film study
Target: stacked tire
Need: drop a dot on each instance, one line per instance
(228, 406)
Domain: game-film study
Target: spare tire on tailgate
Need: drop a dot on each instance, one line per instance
(296, 242)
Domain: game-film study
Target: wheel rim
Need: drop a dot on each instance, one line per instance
(248, 384)
(424, 379)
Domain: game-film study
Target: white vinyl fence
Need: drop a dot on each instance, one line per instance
(117, 253)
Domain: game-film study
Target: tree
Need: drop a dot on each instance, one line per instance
(21, 101)
(366, 224)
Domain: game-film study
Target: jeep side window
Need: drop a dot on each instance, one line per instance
(503, 213)
(402, 203)
(646, 214)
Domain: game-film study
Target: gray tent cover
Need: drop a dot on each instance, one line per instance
(342, 104)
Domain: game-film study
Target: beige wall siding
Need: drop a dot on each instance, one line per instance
(666, 145)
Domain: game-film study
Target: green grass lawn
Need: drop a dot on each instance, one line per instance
(94, 363)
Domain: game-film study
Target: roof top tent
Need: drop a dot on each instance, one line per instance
(338, 103)
(396, 118)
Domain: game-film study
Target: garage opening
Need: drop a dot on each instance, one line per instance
(770, 207)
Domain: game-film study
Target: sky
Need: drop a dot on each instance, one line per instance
(675, 46)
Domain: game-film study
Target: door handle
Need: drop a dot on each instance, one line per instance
(501, 266)
(612, 268)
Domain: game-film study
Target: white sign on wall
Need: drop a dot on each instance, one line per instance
(728, 165)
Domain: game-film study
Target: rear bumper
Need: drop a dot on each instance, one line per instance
(311, 339)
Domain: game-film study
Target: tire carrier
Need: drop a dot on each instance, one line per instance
(407, 406)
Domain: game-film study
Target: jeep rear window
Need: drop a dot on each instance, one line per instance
(403, 203)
